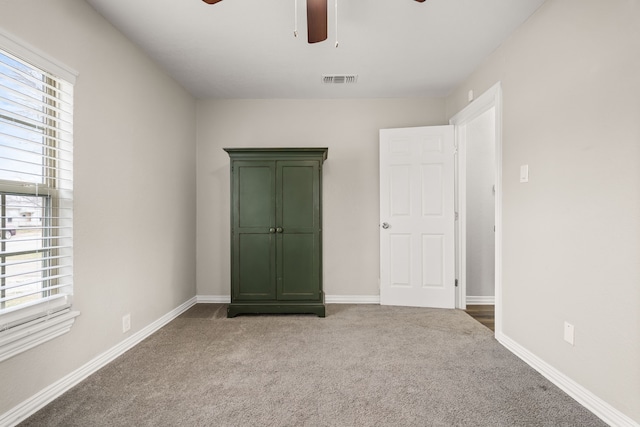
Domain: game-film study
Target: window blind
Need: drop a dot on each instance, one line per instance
(36, 195)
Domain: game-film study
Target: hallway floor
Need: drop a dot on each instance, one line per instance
(484, 314)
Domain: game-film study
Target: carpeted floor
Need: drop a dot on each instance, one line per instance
(363, 365)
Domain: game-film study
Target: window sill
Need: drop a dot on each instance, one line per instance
(24, 337)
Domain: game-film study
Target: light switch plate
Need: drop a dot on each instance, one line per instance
(524, 173)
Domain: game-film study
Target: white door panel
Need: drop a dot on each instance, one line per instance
(417, 206)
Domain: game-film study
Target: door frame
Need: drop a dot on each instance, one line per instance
(492, 98)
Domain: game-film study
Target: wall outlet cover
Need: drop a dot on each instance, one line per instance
(569, 333)
(126, 323)
(524, 173)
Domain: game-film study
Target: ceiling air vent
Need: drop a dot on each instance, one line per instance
(339, 78)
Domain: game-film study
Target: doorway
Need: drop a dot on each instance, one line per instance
(479, 203)
(396, 273)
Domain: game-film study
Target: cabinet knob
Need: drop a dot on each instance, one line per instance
(279, 230)
(272, 230)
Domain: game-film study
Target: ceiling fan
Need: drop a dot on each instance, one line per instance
(316, 19)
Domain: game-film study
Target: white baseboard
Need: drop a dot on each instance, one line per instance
(481, 300)
(593, 403)
(328, 299)
(213, 299)
(36, 402)
(352, 299)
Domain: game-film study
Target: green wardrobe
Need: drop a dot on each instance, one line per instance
(276, 230)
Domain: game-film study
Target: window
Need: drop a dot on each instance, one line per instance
(36, 204)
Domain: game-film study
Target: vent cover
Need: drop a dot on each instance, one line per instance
(339, 78)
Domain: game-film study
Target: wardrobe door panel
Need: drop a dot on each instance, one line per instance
(298, 192)
(255, 202)
(255, 267)
(298, 277)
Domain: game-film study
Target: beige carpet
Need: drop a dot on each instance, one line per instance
(362, 365)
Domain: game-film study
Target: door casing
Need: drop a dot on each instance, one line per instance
(492, 98)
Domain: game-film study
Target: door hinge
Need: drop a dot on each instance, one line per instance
(456, 283)
(456, 216)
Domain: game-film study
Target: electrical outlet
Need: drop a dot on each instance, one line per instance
(126, 323)
(524, 173)
(569, 332)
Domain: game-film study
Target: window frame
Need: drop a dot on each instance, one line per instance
(32, 324)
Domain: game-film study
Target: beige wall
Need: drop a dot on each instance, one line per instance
(572, 234)
(351, 180)
(135, 203)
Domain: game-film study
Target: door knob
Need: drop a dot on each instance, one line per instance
(272, 230)
(279, 229)
(385, 225)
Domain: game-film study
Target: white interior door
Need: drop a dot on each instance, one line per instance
(417, 218)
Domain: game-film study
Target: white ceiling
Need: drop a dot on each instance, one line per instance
(246, 48)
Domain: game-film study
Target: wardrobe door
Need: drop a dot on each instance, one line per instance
(254, 242)
(298, 232)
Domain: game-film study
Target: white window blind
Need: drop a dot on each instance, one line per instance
(36, 205)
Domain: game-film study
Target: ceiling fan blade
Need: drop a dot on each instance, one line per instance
(216, 1)
(316, 20)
